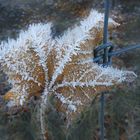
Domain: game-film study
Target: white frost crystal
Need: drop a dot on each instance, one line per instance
(38, 64)
(35, 53)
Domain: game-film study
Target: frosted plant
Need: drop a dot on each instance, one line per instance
(39, 65)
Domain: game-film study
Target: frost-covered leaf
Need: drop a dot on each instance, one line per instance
(39, 65)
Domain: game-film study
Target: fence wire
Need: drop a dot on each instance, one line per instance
(105, 59)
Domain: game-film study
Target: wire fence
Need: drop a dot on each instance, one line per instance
(103, 55)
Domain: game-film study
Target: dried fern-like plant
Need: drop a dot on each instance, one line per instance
(39, 65)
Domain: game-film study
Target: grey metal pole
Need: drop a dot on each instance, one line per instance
(105, 60)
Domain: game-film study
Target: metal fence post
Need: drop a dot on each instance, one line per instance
(105, 60)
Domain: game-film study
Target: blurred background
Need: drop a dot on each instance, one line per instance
(122, 109)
